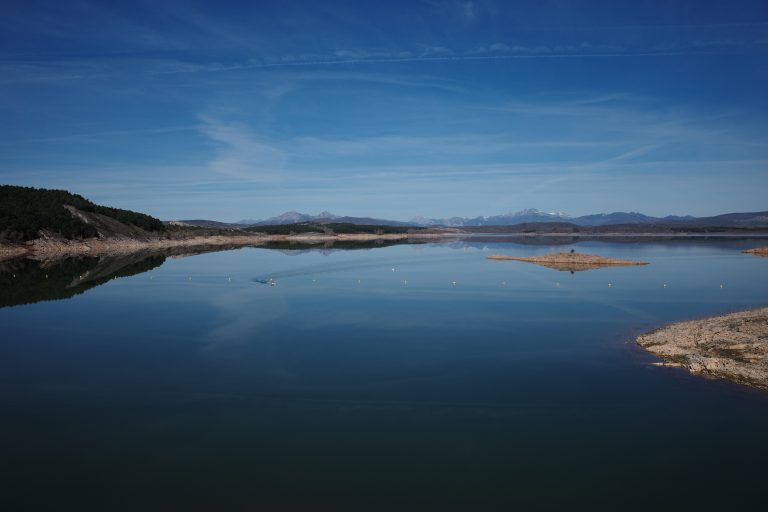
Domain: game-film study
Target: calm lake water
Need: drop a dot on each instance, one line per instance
(409, 377)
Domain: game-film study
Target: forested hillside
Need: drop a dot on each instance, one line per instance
(26, 211)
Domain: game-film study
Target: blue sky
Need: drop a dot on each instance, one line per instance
(231, 110)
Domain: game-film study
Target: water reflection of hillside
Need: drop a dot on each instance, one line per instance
(330, 246)
(25, 281)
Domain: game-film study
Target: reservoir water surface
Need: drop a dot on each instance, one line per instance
(407, 377)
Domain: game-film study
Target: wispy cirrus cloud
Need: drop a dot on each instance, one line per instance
(240, 153)
(495, 52)
(82, 67)
(463, 144)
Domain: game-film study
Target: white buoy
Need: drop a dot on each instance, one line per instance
(610, 285)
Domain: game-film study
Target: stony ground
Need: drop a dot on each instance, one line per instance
(733, 347)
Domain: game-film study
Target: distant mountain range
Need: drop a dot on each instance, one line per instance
(322, 217)
(531, 215)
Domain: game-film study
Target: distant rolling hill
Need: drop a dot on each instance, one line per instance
(604, 219)
(505, 219)
(203, 223)
(321, 218)
(531, 215)
(750, 219)
(330, 228)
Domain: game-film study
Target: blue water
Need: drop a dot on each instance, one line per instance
(411, 377)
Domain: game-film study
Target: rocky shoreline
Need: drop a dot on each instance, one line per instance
(732, 347)
(55, 248)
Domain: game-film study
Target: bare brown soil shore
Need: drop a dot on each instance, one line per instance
(732, 347)
(54, 248)
(567, 261)
(757, 251)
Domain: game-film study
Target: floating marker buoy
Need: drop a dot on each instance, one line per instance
(454, 283)
(722, 285)
(610, 285)
(664, 285)
(405, 282)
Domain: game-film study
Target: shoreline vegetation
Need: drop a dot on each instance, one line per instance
(732, 347)
(570, 261)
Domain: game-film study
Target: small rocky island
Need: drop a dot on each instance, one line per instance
(733, 347)
(757, 251)
(570, 261)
